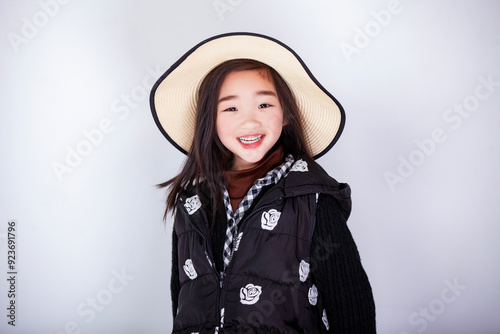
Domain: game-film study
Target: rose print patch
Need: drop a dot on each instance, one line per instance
(192, 204)
(303, 270)
(250, 294)
(189, 269)
(299, 166)
(313, 295)
(269, 219)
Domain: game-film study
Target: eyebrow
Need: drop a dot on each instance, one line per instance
(260, 92)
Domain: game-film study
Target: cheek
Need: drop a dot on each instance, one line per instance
(277, 123)
(219, 126)
(277, 120)
(223, 128)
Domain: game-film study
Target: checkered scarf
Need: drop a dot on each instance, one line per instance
(234, 218)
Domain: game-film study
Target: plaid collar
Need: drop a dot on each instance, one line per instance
(234, 218)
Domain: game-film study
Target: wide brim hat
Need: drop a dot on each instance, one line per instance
(174, 96)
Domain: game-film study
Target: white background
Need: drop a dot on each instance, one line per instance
(70, 67)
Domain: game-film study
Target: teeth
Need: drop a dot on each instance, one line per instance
(250, 139)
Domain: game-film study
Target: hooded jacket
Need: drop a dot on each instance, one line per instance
(267, 287)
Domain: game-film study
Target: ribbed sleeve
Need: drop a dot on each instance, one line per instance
(174, 278)
(339, 276)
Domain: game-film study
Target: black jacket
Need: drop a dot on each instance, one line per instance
(284, 275)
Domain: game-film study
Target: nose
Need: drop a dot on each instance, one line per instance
(250, 120)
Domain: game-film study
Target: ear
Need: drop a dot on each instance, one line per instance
(285, 121)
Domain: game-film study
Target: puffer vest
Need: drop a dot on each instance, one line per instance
(267, 286)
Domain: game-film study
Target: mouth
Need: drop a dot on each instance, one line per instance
(250, 139)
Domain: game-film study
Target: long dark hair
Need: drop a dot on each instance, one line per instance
(207, 159)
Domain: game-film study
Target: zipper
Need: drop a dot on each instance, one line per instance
(242, 223)
(224, 274)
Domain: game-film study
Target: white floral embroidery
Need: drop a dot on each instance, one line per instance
(192, 204)
(325, 320)
(237, 242)
(249, 295)
(299, 166)
(313, 295)
(189, 269)
(270, 219)
(303, 270)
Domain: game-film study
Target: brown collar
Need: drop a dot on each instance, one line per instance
(239, 182)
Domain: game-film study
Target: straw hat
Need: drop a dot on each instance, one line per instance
(173, 97)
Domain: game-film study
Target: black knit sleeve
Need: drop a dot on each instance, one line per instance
(174, 279)
(339, 276)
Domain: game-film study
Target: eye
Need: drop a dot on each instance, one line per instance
(230, 109)
(264, 105)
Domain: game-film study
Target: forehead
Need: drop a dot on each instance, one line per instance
(248, 79)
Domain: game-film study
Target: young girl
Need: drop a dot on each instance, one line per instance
(260, 241)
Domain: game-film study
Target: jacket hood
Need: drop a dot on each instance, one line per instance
(308, 177)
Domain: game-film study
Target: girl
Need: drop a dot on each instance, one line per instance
(260, 242)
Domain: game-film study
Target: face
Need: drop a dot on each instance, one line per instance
(249, 117)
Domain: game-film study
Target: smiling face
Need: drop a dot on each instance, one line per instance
(249, 116)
